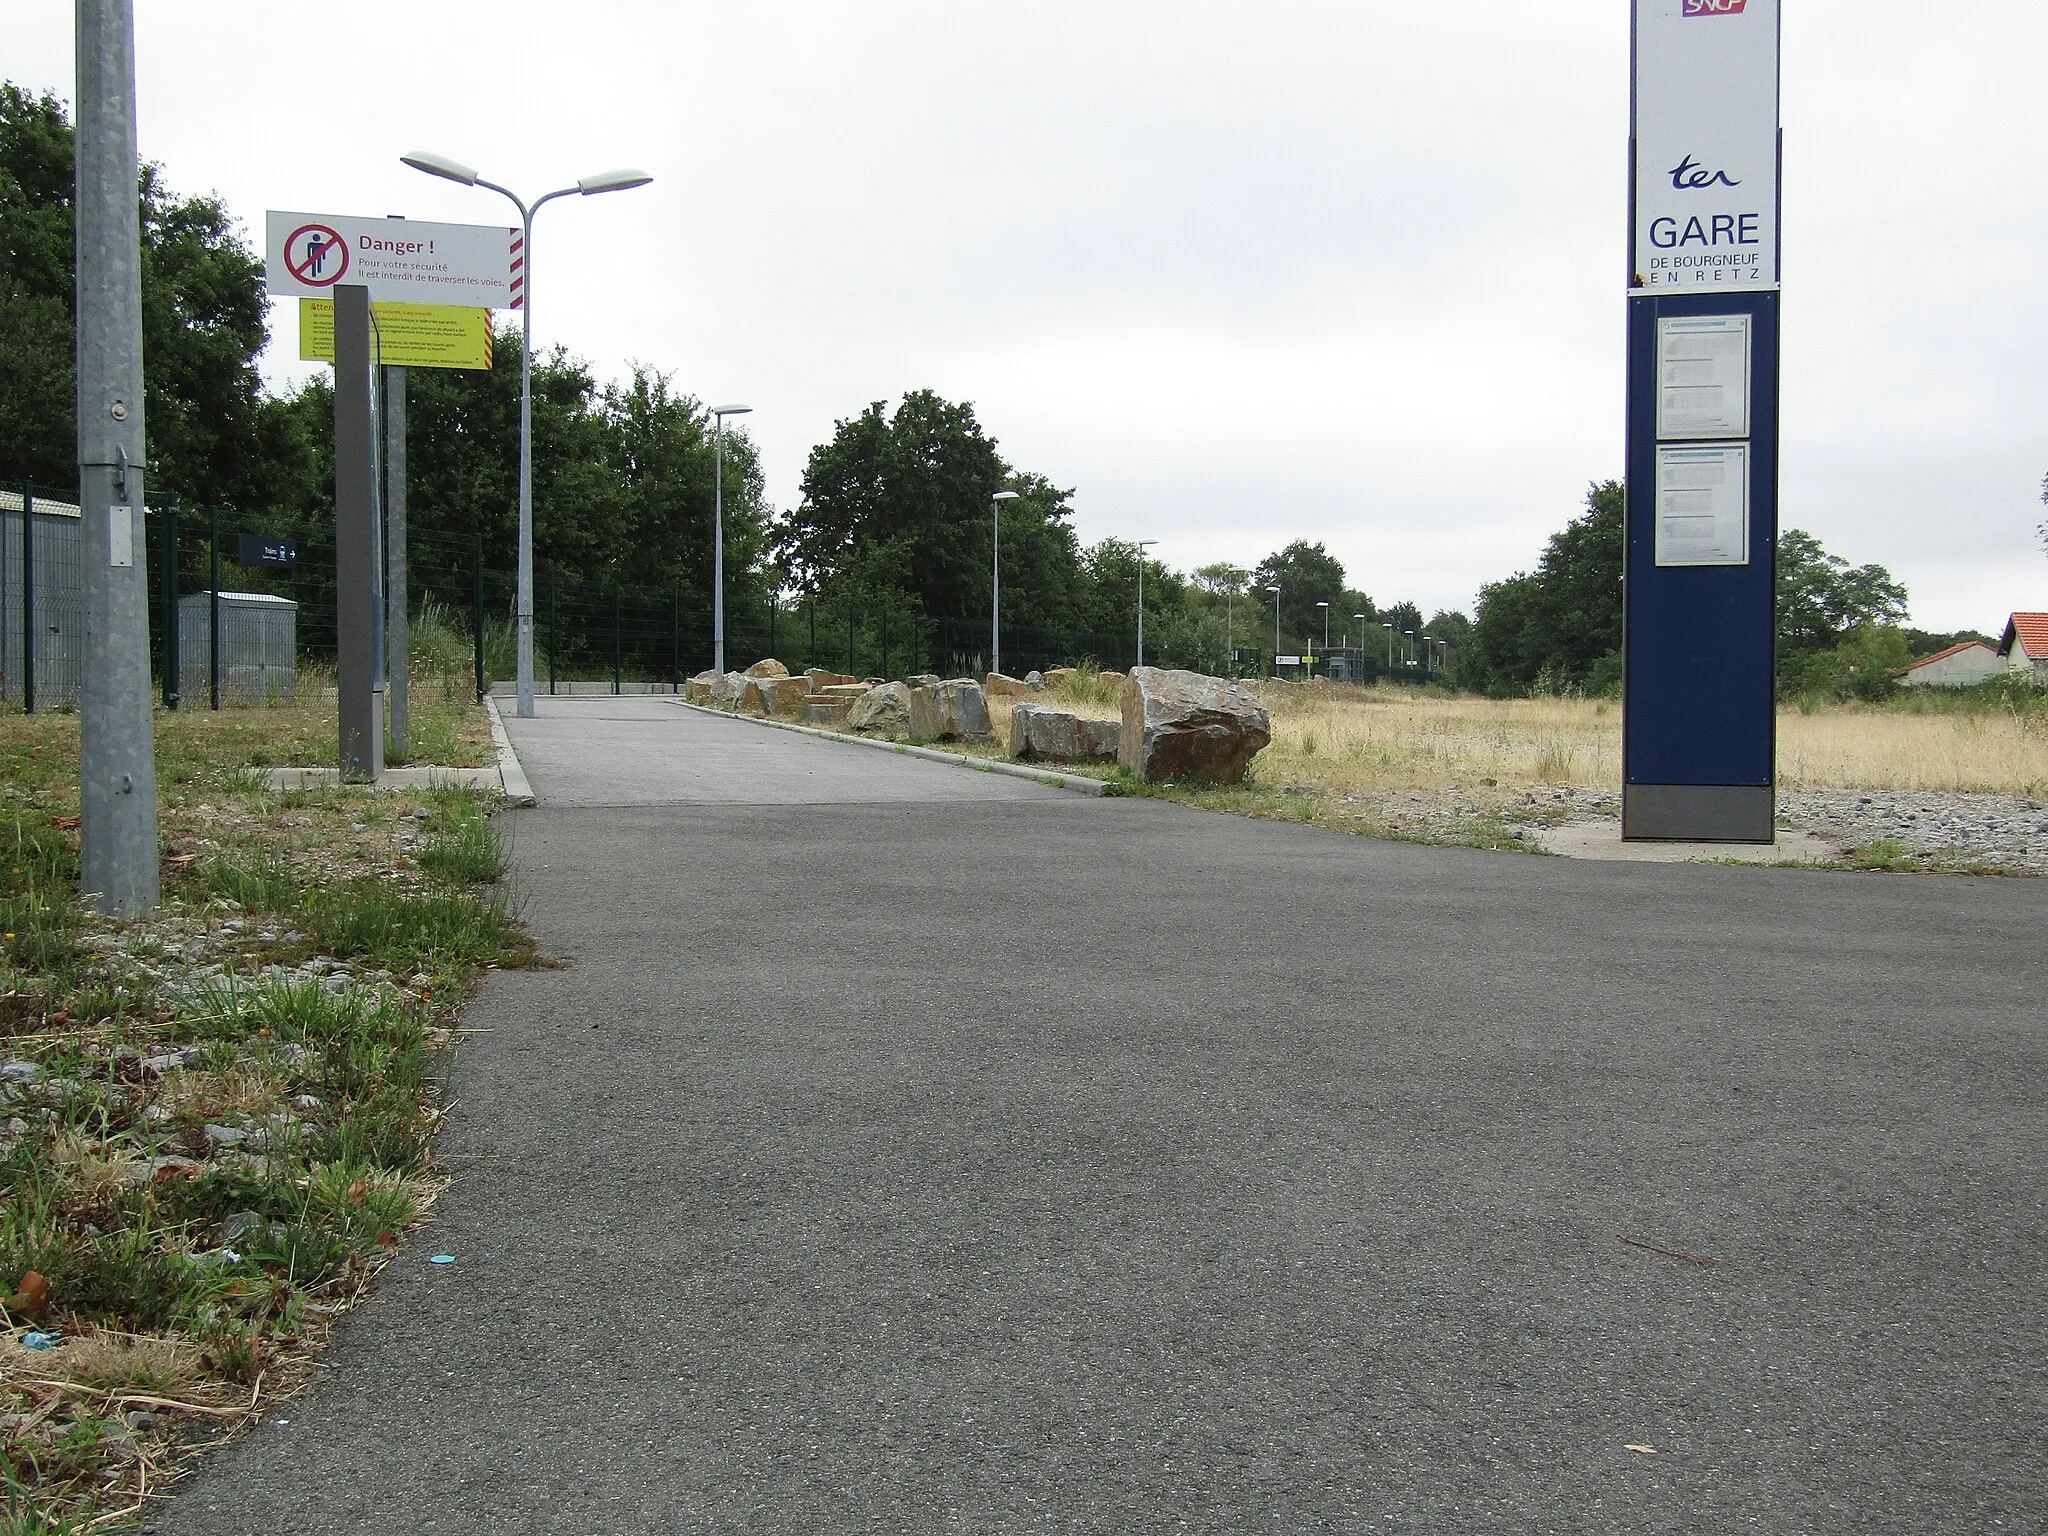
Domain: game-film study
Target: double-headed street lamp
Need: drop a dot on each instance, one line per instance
(1389, 628)
(589, 186)
(1326, 637)
(1143, 545)
(1276, 629)
(995, 586)
(718, 415)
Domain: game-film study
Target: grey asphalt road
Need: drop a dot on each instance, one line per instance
(909, 1150)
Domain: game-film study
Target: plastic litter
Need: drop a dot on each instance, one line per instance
(443, 1258)
(41, 1340)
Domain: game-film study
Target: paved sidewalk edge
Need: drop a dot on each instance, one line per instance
(1080, 784)
(510, 774)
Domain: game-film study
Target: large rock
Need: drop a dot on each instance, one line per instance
(820, 679)
(1059, 677)
(1000, 686)
(883, 711)
(1038, 732)
(1109, 677)
(1035, 681)
(953, 708)
(923, 680)
(847, 691)
(753, 696)
(698, 689)
(768, 668)
(725, 689)
(784, 695)
(830, 713)
(1182, 725)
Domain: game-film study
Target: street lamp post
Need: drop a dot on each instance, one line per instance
(522, 300)
(995, 613)
(1326, 637)
(1409, 649)
(1361, 646)
(1276, 629)
(1143, 545)
(718, 415)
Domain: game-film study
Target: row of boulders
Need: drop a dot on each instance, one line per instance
(1176, 725)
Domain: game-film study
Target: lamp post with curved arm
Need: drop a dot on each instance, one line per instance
(589, 186)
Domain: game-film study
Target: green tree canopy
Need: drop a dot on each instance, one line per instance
(1821, 597)
(1561, 622)
(204, 413)
(1306, 574)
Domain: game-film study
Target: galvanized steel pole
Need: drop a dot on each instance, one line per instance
(117, 766)
(396, 644)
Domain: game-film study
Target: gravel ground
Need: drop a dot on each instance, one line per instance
(1945, 830)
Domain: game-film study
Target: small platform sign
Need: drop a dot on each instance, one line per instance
(255, 549)
(404, 335)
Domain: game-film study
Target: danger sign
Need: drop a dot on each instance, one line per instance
(401, 261)
(316, 255)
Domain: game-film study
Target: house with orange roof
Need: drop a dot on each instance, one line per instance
(2025, 644)
(1956, 667)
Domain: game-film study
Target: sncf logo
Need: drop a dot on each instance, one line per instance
(1714, 7)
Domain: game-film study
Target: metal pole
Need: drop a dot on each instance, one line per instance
(554, 626)
(812, 654)
(28, 599)
(849, 642)
(524, 620)
(718, 542)
(477, 623)
(358, 616)
(885, 643)
(1229, 635)
(117, 764)
(1141, 605)
(995, 619)
(397, 641)
(615, 641)
(675, 637)
(213, 610)
(174, 650)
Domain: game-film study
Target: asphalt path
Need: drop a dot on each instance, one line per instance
(907, 1149)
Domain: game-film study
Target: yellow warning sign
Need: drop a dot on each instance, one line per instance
(404, 335)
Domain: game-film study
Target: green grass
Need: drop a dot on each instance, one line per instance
(466, 847)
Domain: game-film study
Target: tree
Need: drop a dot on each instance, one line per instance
(905, 505)
(1561, 622)
(1306, 574)
(204, 413)
(1821, 597)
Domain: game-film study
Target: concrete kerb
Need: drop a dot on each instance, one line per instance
(1080, 784)
(513, 777)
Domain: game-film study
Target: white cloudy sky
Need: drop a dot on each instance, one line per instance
(1347, 270)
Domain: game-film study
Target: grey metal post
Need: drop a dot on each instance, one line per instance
(28, 599)
(355, 537)
(523, 589)
(174, 650)
(396, 648)
(718, 542)
(212, 610)
(117, 765)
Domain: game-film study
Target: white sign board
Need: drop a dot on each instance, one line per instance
(1702, 376)
(401, 261)
(1706, 146)
(1703, 505)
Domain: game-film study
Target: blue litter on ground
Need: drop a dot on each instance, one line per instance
(41, 1340)
(444, 1258)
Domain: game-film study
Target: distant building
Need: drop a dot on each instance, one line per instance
(2025, 645)
(1957, 667)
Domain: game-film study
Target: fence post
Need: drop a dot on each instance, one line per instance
(213, 613)
(849, 642)
(28, 598)
(811, 655)
(554, 627)
(675, 637)
(615, 641)
(477, 568)
(885, 642)
(174, 649)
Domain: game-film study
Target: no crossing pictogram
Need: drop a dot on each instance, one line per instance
(316, 255)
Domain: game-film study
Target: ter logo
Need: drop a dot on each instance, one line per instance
(1714, 7)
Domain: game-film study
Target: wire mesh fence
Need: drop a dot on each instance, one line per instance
(238, 611)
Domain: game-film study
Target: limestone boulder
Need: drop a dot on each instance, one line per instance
(1035, 682)
(698, 689)
(830, 713)
(784, 695)
(725, 689)
(1059, 677)
(846, 691)
(1110, 677)
(883, 711)
(1040, 733)
(950, 710)
(1000, 686)
(1102, 740)
(820, 679)
(923, 680)
(1182, 725)
(768, 668)
(753, 698)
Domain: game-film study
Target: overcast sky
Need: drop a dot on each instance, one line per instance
(1349, 272)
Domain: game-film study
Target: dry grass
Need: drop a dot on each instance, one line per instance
(1359, 740)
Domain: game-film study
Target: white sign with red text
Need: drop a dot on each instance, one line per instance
(401, 261)
(1706, 146)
